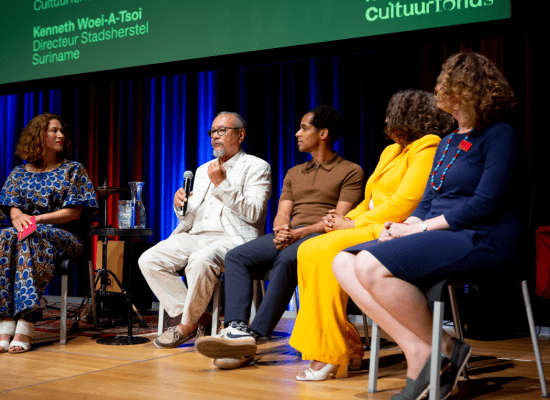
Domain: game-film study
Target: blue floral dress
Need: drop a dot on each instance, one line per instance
(26, 267)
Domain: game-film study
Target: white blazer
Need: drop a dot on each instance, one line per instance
(244, 194)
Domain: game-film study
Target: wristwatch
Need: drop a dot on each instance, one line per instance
(423, 226)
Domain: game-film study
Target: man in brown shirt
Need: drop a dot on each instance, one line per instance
(309, 191)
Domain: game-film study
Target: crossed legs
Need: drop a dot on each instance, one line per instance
(397, 306)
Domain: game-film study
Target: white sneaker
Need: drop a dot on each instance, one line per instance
(235, 341)
(233, 363)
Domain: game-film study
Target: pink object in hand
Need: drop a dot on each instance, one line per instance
(29, 230)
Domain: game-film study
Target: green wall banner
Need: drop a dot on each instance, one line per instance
(51, 38)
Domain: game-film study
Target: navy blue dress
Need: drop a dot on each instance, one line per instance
(480, 201)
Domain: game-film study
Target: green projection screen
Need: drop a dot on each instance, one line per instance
(52, 38)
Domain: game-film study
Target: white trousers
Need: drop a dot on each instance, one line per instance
(202, 256)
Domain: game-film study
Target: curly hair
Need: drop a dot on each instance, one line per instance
(31, 144)
(328, 117)
(412, 114)
(477, 83)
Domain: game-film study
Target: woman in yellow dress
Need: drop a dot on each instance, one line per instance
(323, 332)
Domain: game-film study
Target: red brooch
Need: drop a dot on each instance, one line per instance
(464, 145)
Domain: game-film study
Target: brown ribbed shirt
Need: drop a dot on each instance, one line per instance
(317, 188)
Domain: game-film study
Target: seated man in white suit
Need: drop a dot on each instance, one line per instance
(227, 208)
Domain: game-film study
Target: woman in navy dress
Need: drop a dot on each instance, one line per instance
(468, 222)
(54, 191)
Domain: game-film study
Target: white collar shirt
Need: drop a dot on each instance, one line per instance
(208, 218)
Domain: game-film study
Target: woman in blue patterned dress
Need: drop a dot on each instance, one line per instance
(54, 191)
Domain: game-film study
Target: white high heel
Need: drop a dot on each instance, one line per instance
(23, 328)
(337, 371)
(6, 328)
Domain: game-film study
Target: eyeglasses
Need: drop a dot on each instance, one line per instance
(221, 131)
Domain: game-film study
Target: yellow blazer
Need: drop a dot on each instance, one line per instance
(397, 184)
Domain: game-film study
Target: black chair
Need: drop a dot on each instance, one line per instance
(62, 268)
(2, 218)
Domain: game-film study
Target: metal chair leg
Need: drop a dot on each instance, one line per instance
(456, 316)
(366, 329)
(256, 298)
(457, 323)
(160, 329)
(437, 335)
(92, 291)
(295, 302)
(534, 339)
(374, 355)
(216, 307)
(63, 327)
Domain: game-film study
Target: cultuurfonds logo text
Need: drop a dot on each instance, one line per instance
(397, 9)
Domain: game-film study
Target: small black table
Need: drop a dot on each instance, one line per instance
(127, 235)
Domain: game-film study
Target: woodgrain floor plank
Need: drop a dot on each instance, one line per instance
(84, 369)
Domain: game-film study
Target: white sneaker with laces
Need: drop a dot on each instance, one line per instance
(235, 341)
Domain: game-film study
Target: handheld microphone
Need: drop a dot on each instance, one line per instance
(187, 177)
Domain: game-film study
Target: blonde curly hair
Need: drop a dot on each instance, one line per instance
(31, 144)
(474, 81)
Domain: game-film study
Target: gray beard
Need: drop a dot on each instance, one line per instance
(218, 153)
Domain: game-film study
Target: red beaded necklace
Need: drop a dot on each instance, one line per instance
(460, 147)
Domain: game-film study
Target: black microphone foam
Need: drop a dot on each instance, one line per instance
(187, 178)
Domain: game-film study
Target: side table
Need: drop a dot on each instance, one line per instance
(127, 235)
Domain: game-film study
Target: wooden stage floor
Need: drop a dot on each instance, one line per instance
(84, 369)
